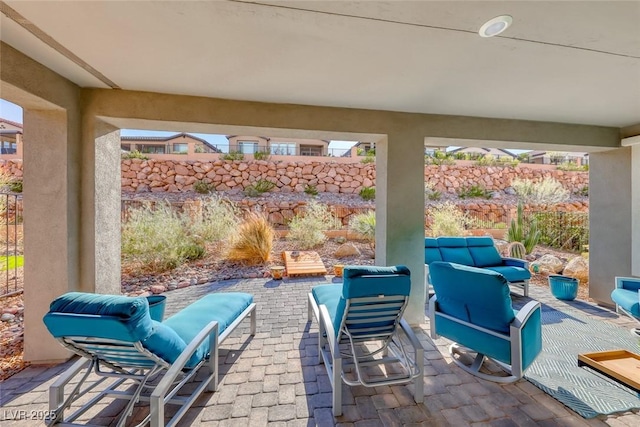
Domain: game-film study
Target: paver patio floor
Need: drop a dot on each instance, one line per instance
(274, 378)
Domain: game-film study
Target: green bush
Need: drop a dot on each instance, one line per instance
(155, 238)
(525, 232)
(369, 158)
(572, 167)
(261, 155)
(474, 191)
(311, 190)
(135, 154)
(233, 155)
(365, 225)
(549, 191)
(307, 228)
(448, 220)
(439, 158)
(368, 193)
(202, 187)
(584, 191)
(258, 188)
(15, 186)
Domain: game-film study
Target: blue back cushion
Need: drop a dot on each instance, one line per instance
(112, 317)
(454, 249)
(475, 295)
(431, 250)
(367, 281)
(483, 252)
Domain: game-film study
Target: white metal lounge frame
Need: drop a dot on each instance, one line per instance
(514, 338)
(94, 351)
(357, 310)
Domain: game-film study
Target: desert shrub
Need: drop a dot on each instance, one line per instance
(15, 186)
(135, 154)
(155, 238)
(257, 188)
(523, 230)
(549, 191)
(572, 167)
(365, 225)
(439, 158)
(233, 155)
(202, 187)
(369, 158)
(217, 219)
(261, 155)
(430, 192)
(490, 160)
(563, 230)
(448, 220)
(368, 193)
(5, 178)
(307, 228)
(253, 242)
(474, 191)
(584, 191)
(311, 190)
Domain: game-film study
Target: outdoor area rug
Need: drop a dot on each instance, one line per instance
(565, 334)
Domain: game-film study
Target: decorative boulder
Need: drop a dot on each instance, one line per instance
(347, 250)
(547, 264)
(577, 268)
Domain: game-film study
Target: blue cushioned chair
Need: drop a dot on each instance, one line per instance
(472, 307)
(117, 337)
(360, 321)
(626, 295)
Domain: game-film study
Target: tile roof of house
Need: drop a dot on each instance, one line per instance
(168, 138)
(12, 123)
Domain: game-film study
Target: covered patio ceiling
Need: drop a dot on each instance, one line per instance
(561, 61)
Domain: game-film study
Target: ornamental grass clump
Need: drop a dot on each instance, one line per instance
(253, 242)
(307, 228)
(448, 220)
(365, 225)
(216, 220)
(155, 238)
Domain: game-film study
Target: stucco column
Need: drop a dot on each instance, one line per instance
(101, 196)
(50, 240)
(612, 219)
(400, 213)
(635, 210)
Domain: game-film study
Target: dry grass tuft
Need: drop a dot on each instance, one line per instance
(253, 243)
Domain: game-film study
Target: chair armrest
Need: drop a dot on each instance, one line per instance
(525, 313)
(633, 281)
(329, 330)
(410, 335)
(515, 262)
(211, 332)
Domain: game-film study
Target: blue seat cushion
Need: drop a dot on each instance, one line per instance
(483, 252)
(328, 295)
(224, 307)
(511, 273)
(628, 300)
(475, 295)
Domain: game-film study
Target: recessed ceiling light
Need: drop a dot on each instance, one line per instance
(495, 26)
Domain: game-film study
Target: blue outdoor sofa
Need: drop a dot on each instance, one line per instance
(477, 252)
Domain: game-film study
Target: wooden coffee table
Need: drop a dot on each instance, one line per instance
(303, 263)
(621, 366)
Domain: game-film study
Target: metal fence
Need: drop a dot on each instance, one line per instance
(11, 242)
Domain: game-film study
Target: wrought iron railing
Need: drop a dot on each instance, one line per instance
(11, 243)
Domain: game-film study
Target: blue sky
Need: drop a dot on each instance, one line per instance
(13, 112)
